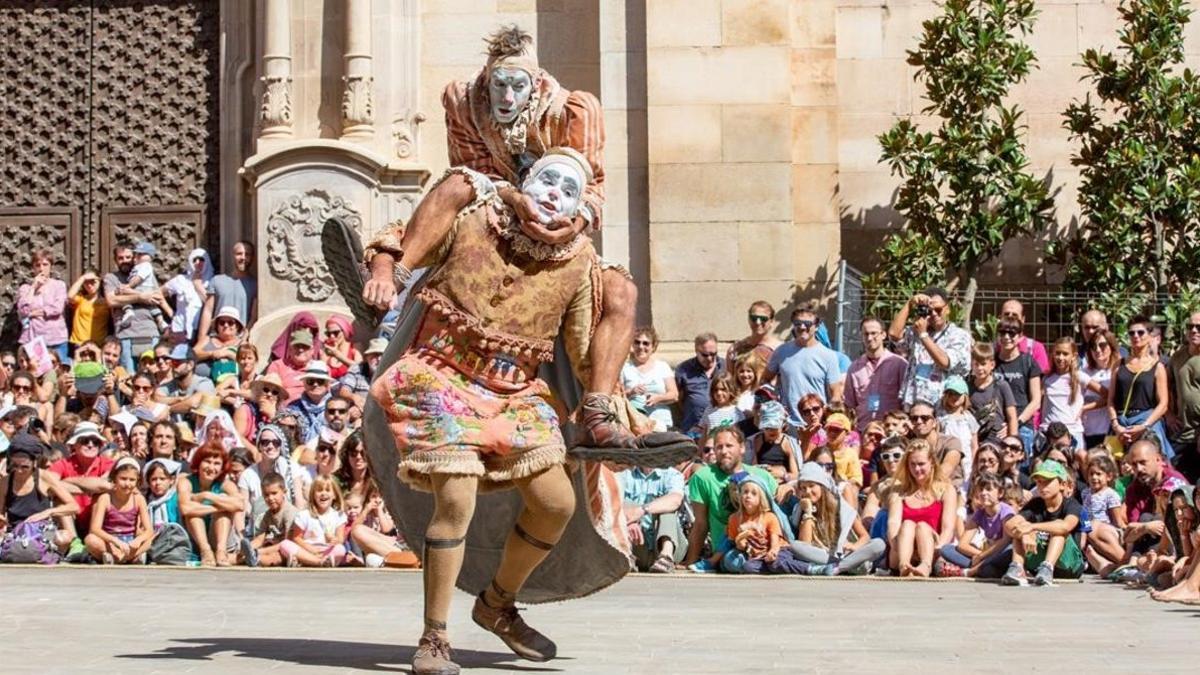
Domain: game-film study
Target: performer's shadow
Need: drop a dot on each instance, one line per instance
(330, 654)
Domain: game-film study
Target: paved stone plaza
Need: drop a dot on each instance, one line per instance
(242, 621)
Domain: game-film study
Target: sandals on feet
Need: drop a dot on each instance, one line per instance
(665, 564)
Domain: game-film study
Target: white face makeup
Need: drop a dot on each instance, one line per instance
(555, 190)
(510, 89)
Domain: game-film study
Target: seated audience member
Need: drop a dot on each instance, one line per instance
(1045, 535)
(947, 451)
(373, 534)
(921, 512)
(747, 377)
(159, 478)
(250, 487)
(722, 409)
(652, 499)
(1185, 580)
(33, 498)
(649, 383)
(830, 537)
(987, 460)
(983, 548)
(711, 504)
(1010, 463)
(273, 526)
(275, 452)
(811, 432)
(318, 534)
(770, 448)
(956, 420)
(290, 365)
(353, 386)
(897, 423)
(265, 401)
(843, 443)
(208, 502)
(757, 535)
(1167, 564)
(1152, 476)
(84, 473)
(120, 531)
(891, 452)
(311, 404)
(353, 474)
(217, 354)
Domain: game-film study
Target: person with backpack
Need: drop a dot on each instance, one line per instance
(32, 502)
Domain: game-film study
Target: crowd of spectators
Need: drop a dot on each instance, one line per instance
(930, 454)
(138, 424)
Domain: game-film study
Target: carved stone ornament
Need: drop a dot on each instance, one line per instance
(404, 132)
(276, 109)
(294, 241)
(358, 104)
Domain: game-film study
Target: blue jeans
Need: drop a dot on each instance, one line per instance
(1158, 429)
(1028, 435)
(131, 349)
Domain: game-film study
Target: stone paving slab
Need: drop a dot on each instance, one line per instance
(148, 620)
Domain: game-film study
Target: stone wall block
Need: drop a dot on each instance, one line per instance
(684, 134)
(719, 192)
(746, 75)
(759, 133)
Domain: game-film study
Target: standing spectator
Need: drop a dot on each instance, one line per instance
(805, 366)
(1064, 400)
(874, 379)
(311, 404)
(694, 377)
(1013, 310)
(217, 354)
(85, 472)
(238, 290)
(187, 289)
(1024, 379)
(934, 347)
(337, 349)
(760, 341)
(41, 303)
(1138, 395)
(1098, 364)
(89, 320)
(708, 492)
(140, 332)
(1184, 419)
(652, 499)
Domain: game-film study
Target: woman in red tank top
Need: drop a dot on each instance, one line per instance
(921, 512)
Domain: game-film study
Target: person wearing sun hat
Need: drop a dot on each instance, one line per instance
(311, 404)
(86, 469)
(1046, 533)
(771, 448)
(216, 354)
(356, 383)
(844, 443)
(297, 354)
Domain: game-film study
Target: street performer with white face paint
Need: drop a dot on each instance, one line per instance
(499, 124)
(468, 413)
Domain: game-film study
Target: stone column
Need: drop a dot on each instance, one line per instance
(358, 98)
(275, 114)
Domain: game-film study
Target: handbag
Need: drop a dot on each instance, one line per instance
(30, 543)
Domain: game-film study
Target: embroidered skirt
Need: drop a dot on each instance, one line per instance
(444, 421)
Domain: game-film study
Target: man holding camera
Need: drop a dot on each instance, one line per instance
(935, 347)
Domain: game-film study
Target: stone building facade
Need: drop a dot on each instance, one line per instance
(741, 161)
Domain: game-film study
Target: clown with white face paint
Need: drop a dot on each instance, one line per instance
(555, 189)
(509, 89)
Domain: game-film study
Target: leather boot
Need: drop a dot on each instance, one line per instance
(605, 439)
(433, 655)
(506, 623)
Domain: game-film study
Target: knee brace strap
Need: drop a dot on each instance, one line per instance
(443, 543)
(530, 539)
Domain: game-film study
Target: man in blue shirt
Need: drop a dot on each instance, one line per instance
(652, 498)
(805, 366)
(694, 376)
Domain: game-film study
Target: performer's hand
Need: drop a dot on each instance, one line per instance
(379, 291)
(559, 231)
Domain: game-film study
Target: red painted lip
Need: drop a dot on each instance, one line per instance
(549, 206)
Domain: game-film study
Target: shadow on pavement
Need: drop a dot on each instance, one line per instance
(327, 653)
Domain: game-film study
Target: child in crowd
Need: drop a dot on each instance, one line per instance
(318, 533)
(874, 511)
(872, 437)
(843, 442)
(991, 400)
(754, 532)
(369, 533)
(986, 560)
(722, 409)
(831, 538)
(142, 280)
(896, 423)
(1046, 533)
(772, 449)
(1063, 392)
(956, 420)
(1103, 550)
(250, 487)
(162, 500)
(747, 374)
(1167, 564)
(120, 529)
(273, 526)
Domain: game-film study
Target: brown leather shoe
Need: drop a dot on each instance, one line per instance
(433, 656)
(508, 625)
(605, 439)
(404, 560)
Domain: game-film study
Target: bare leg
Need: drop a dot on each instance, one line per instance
(222, 523)
(1105, 541)
(1187, 590)
(195, 527)
(926, 541)
(95, 546)
(614, 334)
(905, 541)
(372, 541)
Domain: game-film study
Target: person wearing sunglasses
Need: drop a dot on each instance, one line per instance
(1138, 397)
(934, 347)
(804, 366)
(886, 460)
(32, 496)
(761, 340)
(693, 377)
(1024, 379)
(947, 450)
(1099, 360)
(1013, 310)
(84, 473)
(1184, 418)
(337, 348)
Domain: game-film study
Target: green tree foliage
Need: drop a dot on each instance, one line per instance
(1139, 156)
(966, 189)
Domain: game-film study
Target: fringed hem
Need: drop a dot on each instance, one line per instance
(495, 474)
